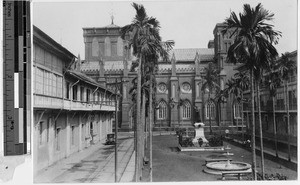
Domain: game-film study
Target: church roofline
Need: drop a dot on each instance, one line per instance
(100, 28)
(219, 25)
(189, 54)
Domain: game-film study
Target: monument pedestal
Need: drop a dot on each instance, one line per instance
(199, 133)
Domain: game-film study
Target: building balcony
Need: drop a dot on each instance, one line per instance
(283, 108)
(49, 102)
(88, 106)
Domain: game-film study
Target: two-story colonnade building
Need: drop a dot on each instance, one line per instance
(71, 110)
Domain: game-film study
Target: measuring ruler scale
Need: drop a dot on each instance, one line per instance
(16, 75)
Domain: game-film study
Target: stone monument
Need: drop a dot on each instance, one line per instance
(199, 133)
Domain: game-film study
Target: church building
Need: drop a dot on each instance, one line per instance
(179, 97)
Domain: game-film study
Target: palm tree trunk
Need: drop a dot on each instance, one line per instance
(253, 128)
(146, 130)
(247, 129)
(210, 129)
(135, 140)
(220, 109)
(138, 124)
(232, 115)
(243, 138)
(237, 123)
(150, 128)
(288, 120)
(143, 125)
(178, 107)
(275, 127)
(260, 132)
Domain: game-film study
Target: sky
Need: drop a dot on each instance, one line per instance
(189, 23)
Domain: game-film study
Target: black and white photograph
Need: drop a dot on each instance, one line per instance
(149, 91)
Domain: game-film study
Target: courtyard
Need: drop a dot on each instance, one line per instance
(169, 164)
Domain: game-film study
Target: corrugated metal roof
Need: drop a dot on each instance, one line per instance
(39, 35)
(86, 79)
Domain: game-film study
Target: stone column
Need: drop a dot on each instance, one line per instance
(125, 126)
(68, 143)
(174, 95)
(79, 132)
(198, 85)
(51, 138)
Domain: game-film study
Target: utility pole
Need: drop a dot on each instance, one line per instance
(116, 83)
(178, 104)
(116, 133)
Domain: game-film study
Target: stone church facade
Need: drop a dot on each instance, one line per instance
(180, 100)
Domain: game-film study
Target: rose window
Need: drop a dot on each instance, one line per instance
(162, 87)
(186, 87)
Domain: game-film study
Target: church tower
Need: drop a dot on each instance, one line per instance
(104, 42)
(107, 52)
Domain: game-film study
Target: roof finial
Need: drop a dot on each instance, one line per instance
(112, 19)
(112, 16)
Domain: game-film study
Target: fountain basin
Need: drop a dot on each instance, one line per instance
(191, 148)
(218, 167)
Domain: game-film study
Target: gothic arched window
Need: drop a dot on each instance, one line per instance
(95, 48)
(120, 46)
(210, 110)
(237, 107)
(107, 45)
(186, 110)
(162, 110)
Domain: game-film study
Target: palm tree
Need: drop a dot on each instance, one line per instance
(144, 39)
(273, 81)
(242, 81)
(234, 89)
(286, 67)
(237, 86)
(253, 47)
(258, 75)
(210, 84)
(150, 69)
(220, 98)
(133, 92)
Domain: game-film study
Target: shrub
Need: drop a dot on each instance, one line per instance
(180, 132)
(186, 142)
(276, 176)
(215, 141)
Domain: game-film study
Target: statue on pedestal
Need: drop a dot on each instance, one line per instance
(199, 135)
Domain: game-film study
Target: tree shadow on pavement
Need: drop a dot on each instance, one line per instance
(174, 149)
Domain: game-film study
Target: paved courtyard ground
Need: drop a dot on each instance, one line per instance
(95, 164)
(169, 164)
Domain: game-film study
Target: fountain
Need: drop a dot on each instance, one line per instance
(227, 148)
(217, 168)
